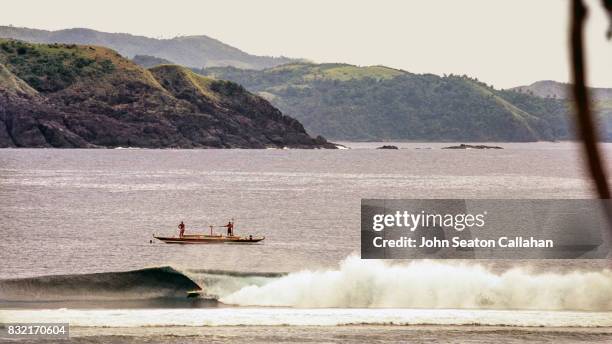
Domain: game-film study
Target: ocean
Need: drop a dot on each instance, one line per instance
(77, 247)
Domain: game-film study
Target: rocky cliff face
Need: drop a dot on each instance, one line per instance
(84, 96)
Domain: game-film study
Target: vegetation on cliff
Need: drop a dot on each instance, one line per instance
(65, 95)
(346, 102)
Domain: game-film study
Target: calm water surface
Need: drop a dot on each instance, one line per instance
(95, 210)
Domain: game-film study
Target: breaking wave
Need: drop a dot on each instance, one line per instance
(233, 273)
(428, 284)
(355, 283)
(137, 284)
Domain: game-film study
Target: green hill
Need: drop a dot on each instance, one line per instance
(66, 95)
(346, 102)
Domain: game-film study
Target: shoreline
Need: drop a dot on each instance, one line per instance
(339, 145)
(348, 333)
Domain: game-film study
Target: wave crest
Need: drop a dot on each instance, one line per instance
(136, 284)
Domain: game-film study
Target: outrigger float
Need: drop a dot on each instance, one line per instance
(212, 238)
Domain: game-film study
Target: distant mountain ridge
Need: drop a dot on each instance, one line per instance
(560, 90)
(67, 96)
(190, 51)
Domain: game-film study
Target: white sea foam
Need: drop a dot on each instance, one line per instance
(306, 317)
(429, 284)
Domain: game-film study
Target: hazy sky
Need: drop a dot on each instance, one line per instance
(506, 43)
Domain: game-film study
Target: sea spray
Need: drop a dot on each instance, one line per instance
(429, 284)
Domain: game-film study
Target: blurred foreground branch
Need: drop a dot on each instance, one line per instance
(607, 4)
(584, 118)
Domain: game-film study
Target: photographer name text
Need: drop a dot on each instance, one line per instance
(458, 242)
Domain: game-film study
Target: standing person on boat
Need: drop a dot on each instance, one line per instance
(230, 228)
(181, 228)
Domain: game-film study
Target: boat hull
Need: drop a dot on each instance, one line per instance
(209, 239)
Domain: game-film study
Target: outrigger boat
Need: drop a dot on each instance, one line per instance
(211, 238)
